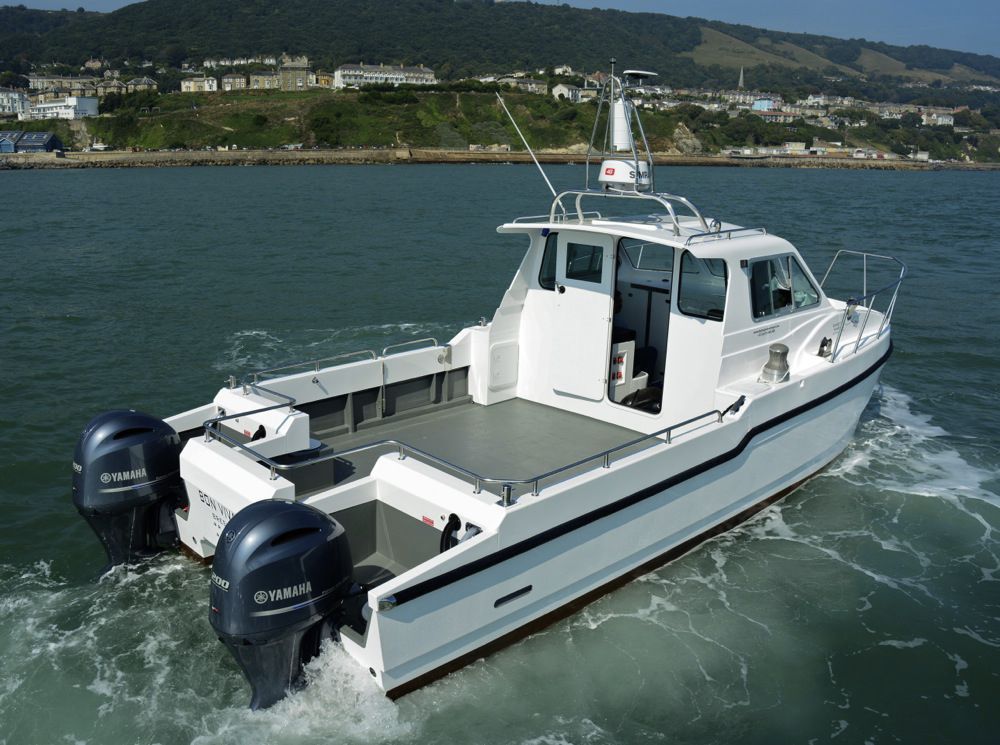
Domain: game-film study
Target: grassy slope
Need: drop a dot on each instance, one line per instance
(882, 64)
(717, 48)
(250, 119)
(810, 59)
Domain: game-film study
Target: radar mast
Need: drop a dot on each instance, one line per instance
(624, 156)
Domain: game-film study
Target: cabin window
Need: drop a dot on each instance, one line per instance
(652, 257)
(779, 285)
(702, 290)
(547, 272)
(804, 293)
(583, 262)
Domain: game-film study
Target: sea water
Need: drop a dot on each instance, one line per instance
(865, 607)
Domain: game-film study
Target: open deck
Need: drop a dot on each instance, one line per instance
(511, 439)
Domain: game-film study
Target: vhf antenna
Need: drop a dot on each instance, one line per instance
(526, 145)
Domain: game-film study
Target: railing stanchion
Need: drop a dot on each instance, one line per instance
(505, 494)
(607, 460)
(534, 488)
(274, 473)
(840, 332)
(402, 456)
(478, 488)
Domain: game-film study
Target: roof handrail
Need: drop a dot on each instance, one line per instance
(724, 234)
(663, 199)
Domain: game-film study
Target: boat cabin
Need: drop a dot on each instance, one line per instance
(639, 320)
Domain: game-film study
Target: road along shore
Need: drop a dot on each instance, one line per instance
(156, 159)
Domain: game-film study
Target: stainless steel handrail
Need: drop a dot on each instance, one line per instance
(664, 200)
(314, 363)
(478, 480)
(867, 298)
(593, 214)
(410, 343)
(723, 234)
(865, 255)
(211, 425)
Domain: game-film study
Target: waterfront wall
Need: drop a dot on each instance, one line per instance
(124, 159)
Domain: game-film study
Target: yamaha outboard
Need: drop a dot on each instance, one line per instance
(282, 570)
(126, 483)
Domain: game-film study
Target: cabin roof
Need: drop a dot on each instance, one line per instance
(729, 241)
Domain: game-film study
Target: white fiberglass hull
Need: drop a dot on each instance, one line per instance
(438, 631)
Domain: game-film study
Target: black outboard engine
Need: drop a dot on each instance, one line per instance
(281, 572)
(126, 483)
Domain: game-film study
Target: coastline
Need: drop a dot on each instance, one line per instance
(128, 159)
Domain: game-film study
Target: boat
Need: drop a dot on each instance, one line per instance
(651, 378)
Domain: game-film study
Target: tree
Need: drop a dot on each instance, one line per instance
(13, 80)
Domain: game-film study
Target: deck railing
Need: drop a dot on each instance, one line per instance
(867, 299)
(314, 364)
(212, 431)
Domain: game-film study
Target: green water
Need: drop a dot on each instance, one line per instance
(863, 608)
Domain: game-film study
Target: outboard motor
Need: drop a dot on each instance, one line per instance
(126, 483)
(282, 570)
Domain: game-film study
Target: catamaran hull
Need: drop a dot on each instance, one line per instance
(440, 631)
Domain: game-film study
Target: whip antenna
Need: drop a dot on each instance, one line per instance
(530, 152)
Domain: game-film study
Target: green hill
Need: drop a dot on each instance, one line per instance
(465, 37)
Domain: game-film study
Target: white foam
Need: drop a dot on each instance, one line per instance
(899, 644)
(340, 697)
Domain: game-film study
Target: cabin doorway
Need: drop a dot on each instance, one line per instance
(643, 285)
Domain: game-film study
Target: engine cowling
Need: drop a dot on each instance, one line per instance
(280, 574)
(126, 483)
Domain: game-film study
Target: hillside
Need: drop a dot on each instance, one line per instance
(456, 119)
(465, 37)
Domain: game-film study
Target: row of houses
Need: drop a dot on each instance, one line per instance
(294, 75)
(13, 141)
(57, 86)
(212, 63)
(356, 76)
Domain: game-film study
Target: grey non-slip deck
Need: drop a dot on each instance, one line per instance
(510, 440)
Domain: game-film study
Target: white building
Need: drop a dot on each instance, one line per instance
(356, 76)
(938, 119)
(563, 70)
(199, 85)
(569, 92)
(71, 107)
(13, 102)
(528, 85)
(234, 82)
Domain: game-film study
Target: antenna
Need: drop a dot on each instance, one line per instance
(530, 151)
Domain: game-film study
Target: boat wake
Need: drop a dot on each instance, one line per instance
(887, 560)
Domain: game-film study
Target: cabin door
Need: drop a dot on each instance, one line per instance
(585, 269)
